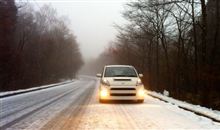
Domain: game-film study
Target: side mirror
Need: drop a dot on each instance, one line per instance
(99, 75)
(141, 75)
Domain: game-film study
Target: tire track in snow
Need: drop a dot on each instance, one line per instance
(24, 108)
(123, 122)
(6, 123)
(69, 117)
(112, 115)
(16, 105)
(138, 117)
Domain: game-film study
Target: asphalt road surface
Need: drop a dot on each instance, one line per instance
(75, 106)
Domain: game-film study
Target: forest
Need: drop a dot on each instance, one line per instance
(175, 44)
(36, 46)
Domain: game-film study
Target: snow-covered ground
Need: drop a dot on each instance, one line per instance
(152, 114)
(196, 108)
(76, 106)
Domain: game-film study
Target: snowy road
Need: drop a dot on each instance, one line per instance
(75, 106)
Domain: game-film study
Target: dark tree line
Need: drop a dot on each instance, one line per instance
(36, 47)
(176, 44)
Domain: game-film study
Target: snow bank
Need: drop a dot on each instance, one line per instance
(213, 114)
(10, 93)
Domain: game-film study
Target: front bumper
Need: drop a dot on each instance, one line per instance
(122, 93)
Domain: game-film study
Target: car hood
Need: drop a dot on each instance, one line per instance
(122, 81)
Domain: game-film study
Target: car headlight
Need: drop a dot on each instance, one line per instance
(141, 92)
(105, 82)
(104, 93)
(139, 82)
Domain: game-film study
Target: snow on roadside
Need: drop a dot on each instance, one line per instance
(196, 108)
(34, 88)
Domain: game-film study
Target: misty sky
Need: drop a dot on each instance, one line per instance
(91, 21)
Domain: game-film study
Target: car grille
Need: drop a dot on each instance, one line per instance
(123, 94)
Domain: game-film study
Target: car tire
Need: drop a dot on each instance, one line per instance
(101, 101)
(140, 101)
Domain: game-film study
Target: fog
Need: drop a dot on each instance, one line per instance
(92, 21)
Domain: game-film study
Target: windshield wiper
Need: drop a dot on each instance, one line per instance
(125, 75)
(131, 76)
(119, 75)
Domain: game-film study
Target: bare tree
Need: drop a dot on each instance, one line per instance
(170, 40)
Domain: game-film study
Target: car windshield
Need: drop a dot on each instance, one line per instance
(120, 72)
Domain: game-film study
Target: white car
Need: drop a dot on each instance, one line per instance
(120, 82)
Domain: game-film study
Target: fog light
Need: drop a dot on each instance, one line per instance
(141, 93)
(104, 93)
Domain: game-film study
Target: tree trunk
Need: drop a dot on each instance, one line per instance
(195, 47)
(204, 31)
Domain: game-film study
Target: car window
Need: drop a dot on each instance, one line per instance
(120, 72)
